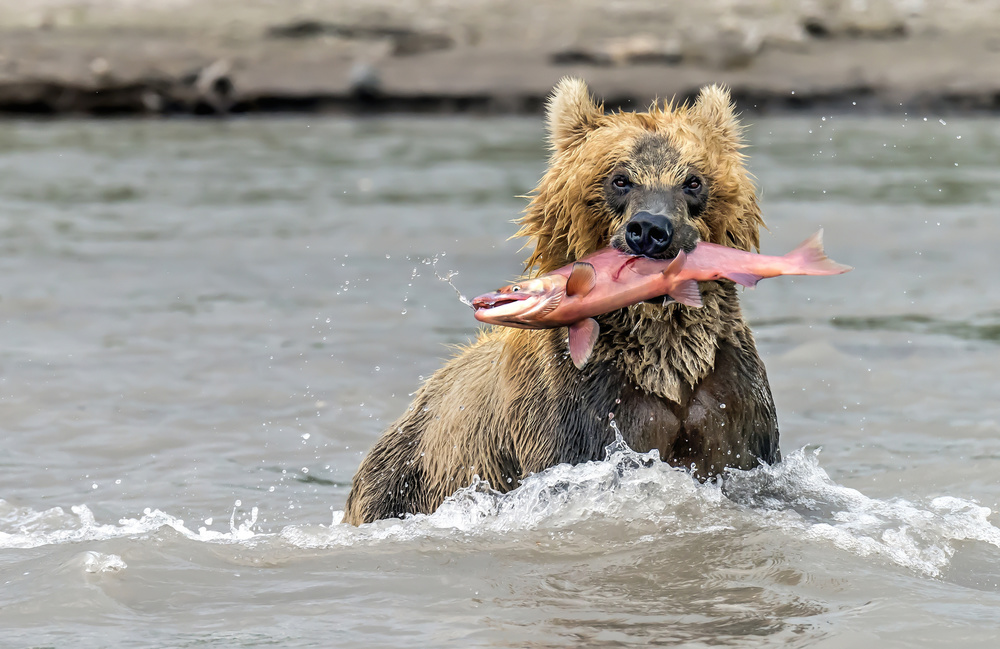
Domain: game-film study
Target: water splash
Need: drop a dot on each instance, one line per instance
(451, 274)
(804, 498)
(626, 496)
(795, 498)
(432, 261)
(447, 278)
(22, 527)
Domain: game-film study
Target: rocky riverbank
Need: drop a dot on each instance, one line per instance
(122, 57)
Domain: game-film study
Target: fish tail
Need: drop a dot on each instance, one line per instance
(811, 259)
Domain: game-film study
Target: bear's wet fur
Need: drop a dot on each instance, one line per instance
(685, 381)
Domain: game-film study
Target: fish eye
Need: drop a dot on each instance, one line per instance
(515, 288)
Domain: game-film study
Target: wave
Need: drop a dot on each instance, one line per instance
(627, 491)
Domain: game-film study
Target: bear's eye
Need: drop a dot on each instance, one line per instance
(621, 182)
(692, 185)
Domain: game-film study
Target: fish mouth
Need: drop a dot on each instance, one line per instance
(493, 300)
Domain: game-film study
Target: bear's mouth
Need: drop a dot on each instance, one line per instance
(684, 238)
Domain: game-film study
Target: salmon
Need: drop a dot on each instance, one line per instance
(610, 279)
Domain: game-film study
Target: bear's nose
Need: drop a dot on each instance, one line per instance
(648, 234)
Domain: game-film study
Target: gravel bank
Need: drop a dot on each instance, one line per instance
(114, 57)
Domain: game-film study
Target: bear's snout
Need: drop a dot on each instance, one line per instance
(649, 234)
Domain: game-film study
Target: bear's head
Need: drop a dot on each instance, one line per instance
(650, 183)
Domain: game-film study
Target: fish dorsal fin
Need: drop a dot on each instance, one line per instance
(582, 279)
(582, 338)
(676, 265)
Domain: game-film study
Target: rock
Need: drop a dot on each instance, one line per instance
(420, 43)
(152, 101)
(640, 49)
(789, 38)
(875, 19)
(214, 88)
(365, 82)
(298, 29)
(728, 46)
(100, 67)
(405, 41)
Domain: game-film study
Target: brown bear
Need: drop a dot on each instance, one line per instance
(685, 381)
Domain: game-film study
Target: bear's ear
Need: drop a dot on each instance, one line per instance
(571, 113)
(715, 110)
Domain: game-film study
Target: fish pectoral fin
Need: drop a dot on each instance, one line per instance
(744, 279)
(687, 293)
(582, 279)
(582, 338)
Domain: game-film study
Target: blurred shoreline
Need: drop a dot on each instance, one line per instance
(126, 57)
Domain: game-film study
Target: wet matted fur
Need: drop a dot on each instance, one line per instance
(688, 382)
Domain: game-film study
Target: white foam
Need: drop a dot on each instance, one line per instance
(796, 498)
(919, 537)
(95, 562)
(22, 527)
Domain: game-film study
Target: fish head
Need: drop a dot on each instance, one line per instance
(523, 304)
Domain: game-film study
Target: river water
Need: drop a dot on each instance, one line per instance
(205, 324)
